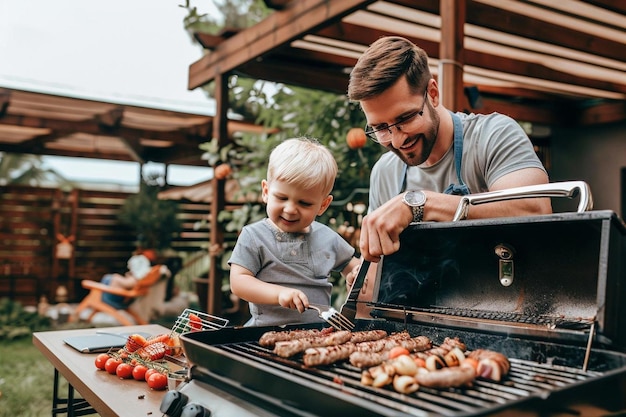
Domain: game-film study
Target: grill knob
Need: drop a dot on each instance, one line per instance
(195, 410)
(173, 403)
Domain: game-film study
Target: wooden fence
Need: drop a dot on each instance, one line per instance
(51, 238)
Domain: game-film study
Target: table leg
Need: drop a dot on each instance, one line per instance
(70, 406)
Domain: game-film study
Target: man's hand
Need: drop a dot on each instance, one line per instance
(380, 230)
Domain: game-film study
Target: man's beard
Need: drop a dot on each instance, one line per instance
(427, 140)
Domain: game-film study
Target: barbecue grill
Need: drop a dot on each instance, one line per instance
(542, 290)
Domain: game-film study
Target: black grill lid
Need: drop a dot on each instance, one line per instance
(550, 275)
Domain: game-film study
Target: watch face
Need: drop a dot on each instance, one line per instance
(415, 198)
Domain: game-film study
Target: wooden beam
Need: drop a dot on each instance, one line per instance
(493, 17)
(615, 6)
(451, 58)
(133, 146)
(209, 41)
(522, 112)
(220, 131)
(111, 118)
(278, 29)
(301, 75)
(610, 112)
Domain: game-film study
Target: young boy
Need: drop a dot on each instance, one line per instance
(282, 263)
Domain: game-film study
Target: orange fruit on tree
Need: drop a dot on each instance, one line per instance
(222, 171)
(356, 138)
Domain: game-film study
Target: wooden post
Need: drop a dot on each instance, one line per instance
(220, 131)
(73, 231)
(451, 56)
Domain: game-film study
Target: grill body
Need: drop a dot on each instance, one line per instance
(543, 376)
(551, 305)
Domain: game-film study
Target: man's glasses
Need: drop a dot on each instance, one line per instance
(383, 134)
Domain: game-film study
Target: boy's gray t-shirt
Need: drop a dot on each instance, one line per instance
(298, 260)
(493, 145)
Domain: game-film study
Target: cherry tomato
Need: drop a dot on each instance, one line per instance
(398, 351)
(157, 381)
(195, 322)
(101, 359)
(139, 372)
(149, 372)
(124, 371)
(111, 365)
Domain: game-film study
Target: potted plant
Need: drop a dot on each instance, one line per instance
(154, 221)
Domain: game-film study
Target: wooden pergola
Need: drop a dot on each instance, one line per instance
(543, 62)
(46, 124)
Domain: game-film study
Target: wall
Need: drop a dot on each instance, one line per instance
(595, 155)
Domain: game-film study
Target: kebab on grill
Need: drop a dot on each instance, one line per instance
(378, 353)
(331, 348)
(367, 343)
(490, 364)
(408, 372)
(288, 348)
(269, 339)
(444, 366)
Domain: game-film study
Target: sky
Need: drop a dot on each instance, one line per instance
(133, 52)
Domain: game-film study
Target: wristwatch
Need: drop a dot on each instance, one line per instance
(416, 200)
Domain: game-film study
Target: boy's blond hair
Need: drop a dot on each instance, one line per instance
(304, 162)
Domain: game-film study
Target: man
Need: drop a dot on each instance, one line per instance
(424, 175)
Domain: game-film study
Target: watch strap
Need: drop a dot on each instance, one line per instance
(418, 213)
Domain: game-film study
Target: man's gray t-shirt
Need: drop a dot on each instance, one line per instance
(297, 260)
(493, 145)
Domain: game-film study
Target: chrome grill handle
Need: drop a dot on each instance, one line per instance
(569, 189)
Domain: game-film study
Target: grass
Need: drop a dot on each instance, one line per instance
(26, 380)
(26, 376)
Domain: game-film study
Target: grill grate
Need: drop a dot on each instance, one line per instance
(525, 379)
(193, 320)
(551, 322)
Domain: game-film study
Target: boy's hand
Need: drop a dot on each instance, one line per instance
(351, 276)
(292, 298)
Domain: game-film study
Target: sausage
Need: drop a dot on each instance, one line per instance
(367, 336)
(291, 347)
(269, 339)
(369, 355)
(457, 376)
(326, 355)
